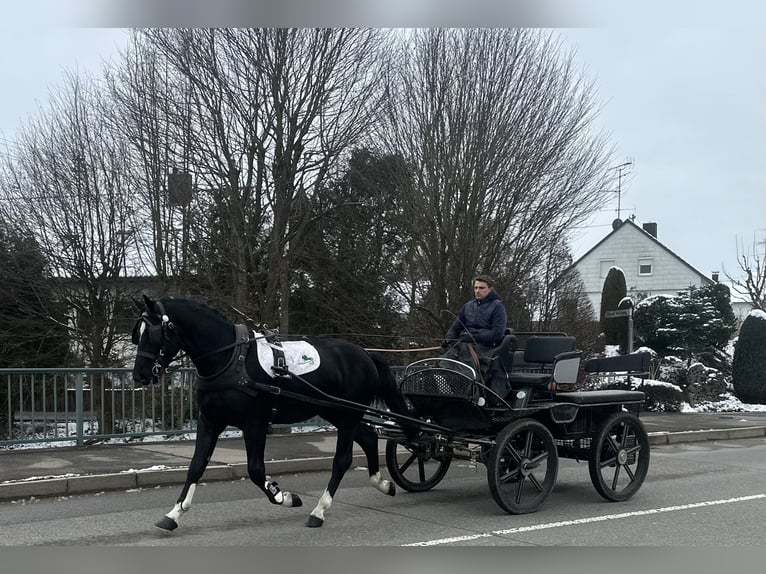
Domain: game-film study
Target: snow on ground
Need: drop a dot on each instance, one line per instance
(185, 436)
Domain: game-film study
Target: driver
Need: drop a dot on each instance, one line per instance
(482, 320)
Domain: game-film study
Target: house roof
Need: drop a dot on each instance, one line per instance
(651, 237)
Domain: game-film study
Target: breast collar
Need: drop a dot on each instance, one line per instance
(235, 371)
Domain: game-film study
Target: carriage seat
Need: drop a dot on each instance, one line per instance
(505, 351)
(546, 359)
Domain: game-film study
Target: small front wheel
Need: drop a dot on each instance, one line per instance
(417, 466)
(619, 457)
(522, 466)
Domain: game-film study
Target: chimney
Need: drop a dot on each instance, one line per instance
(714, 276)
(651, 229)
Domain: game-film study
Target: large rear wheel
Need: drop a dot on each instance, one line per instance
(522, 466)
(417, 466)
(619, 457)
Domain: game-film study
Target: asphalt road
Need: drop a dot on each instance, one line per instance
(699, 494)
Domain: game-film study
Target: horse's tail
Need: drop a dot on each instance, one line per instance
(388, 390)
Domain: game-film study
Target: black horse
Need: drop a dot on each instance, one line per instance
(233, 389)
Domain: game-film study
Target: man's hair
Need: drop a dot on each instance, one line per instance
(484, 279)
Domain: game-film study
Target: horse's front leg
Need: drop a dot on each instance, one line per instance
(341, 462)
(255, 443)
(207, 437)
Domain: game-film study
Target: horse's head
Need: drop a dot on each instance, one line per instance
(157, 341)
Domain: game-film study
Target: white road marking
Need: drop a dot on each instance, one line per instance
(590, 520)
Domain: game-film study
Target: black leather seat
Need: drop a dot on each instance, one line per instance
(539, 355)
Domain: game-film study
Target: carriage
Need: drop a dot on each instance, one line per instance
(521, 436)
(442, 410)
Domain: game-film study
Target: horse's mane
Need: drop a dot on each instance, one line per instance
(196, 307)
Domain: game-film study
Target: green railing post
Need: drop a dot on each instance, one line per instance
(79, 422)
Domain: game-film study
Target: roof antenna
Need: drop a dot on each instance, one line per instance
(620, 169)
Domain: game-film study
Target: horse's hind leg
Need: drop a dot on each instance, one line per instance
(368, 440)
(341, 462)
(255, 443)
(207, 438)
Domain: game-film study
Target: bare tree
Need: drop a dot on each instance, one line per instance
(497, 127)
(273, 111)
(67, 187)
(752, 263)
(150, 108)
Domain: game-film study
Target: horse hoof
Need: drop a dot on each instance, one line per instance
(167, 524)
(314, 522)
(297, 501)
(391, 489)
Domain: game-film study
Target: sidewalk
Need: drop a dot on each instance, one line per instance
(72, 470)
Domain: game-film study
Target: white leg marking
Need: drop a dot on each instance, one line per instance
(380, 483)
(324, 503)
(186, 504)
(182, 506)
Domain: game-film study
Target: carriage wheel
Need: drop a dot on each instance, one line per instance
(419, 466)
(522, 466)
(619, 457)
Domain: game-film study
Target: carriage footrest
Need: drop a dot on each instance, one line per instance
(599, 397)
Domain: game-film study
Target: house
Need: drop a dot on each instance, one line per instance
(740, 302)
(649, 267)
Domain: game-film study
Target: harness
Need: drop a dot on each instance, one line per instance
(234, 373)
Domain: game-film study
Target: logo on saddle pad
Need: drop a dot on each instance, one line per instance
(300, 356)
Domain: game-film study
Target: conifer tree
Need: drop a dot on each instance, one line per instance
(614, 290)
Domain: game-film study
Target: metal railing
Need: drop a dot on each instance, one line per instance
(74, 407)
(81, 405)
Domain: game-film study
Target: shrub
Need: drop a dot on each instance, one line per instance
(695, 325)
(749, 365)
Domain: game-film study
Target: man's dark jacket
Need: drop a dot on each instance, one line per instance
(485, 319)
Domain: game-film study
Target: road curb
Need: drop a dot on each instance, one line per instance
(664, 438)
(82, 484)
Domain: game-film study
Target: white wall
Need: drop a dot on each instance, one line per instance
(625, 247)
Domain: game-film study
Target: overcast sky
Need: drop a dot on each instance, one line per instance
(685, 105)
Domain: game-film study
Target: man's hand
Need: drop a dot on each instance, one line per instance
(466, 338)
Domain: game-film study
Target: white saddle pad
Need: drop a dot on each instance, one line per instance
(300, 356)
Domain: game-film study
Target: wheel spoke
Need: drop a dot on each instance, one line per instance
(612, 443)
(535, 482)
(519, 487)
(509, 476)
(422, 470)
(528, 444)
(608, 462)
(407, 463)
(513, 452)
(535, 462)
(616, 476)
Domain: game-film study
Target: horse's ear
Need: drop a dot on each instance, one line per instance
(149, 303)
(139, 307)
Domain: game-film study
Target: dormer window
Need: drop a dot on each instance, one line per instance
(644, 266)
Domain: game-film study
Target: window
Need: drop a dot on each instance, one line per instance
(644, 265)
(606, 265)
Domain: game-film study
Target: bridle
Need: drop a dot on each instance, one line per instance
(160, 334)
(156, 333)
